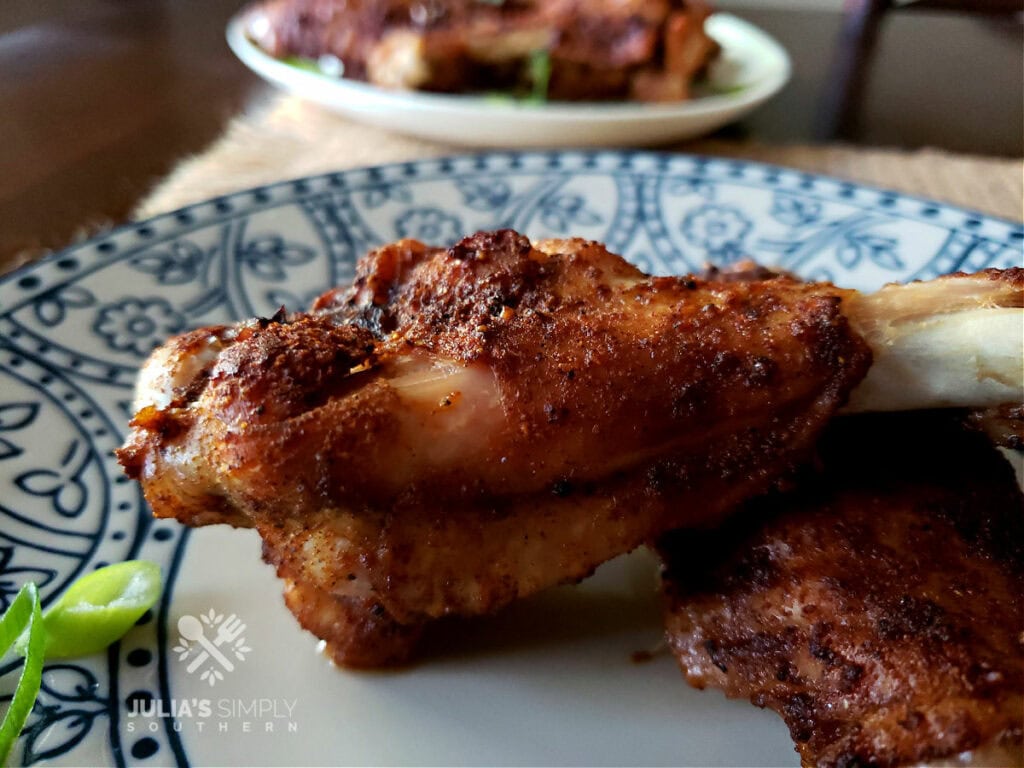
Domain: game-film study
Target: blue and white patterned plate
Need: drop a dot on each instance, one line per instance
(550, 681)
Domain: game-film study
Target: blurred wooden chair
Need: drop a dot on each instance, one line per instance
(862, 19)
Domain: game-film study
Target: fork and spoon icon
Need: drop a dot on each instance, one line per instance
(229, 630)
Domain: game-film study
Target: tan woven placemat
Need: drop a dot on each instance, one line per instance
(286, 137)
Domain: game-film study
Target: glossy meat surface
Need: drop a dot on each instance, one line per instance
(463, 427)
(879, 608)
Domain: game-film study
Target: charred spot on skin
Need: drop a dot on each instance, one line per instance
(450, 399)
(757, 569)
(689, 400)
(193, 390)
(660, 477)
(786, 672)
(852, 674)
(278, 318)
(762, 371)
(484, 245)
(554, 413)
(162, 422)
(375, 319)
(727, 365)
(562, 488)
(718, 657)
(914, 617)
(912, 721)
(981, 675)
(799, 715)
(849, 760)
(817, 646)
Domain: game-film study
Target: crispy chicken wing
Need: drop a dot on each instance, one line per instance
(466, 426)
(463, 427)
(879, 608)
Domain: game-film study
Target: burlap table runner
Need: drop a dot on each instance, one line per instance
(285, 137)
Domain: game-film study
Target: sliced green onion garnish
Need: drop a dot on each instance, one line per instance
(713, 89)
(299, 62)
(95, 611)
(22, 616)
(100, 607)
(540, 75)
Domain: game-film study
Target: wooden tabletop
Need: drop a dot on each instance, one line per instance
(100, 98)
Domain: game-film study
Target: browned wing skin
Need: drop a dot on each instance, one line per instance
(468, 426)
(879, 611)
(649, 50)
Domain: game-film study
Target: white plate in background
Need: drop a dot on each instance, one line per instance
(751, 69)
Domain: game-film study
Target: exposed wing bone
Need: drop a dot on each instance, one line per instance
(953, 342)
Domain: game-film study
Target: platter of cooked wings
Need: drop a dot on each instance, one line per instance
(517, 74)
(502, 459)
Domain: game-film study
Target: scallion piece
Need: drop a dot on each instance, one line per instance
(299, 62)
(95, 611)
(100, 607)
(22, 618)
(540, 75)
